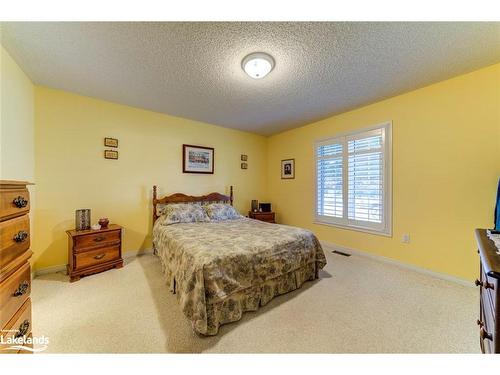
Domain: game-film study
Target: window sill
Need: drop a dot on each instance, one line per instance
(355, 228)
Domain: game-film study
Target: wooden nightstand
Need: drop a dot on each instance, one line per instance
(92, 251)
(268, 217)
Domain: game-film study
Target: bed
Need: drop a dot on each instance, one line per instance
(221, 268)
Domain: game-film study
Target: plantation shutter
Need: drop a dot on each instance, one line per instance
(353, 180)
(366, 177)
(330, 180)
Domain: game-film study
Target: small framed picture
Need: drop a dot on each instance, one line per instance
(197, 159)
(244, 166)
(110, 154)
(110, 142)
(288, 169)
(244, 157)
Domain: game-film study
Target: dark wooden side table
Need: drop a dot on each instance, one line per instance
(268, 217)
(92, 251)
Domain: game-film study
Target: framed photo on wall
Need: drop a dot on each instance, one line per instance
(110, 154)
(197, 159)
(288, 169)
(110, 142)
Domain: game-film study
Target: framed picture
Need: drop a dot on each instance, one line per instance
(110, 154)
(244, 157)
(288, 169)
(110, 142)
(244, 166)
(197, 159)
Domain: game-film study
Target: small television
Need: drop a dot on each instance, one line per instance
(265, 207)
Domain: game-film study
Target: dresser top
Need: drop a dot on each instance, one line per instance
(488, 252)
(16, 183)
(75, 233)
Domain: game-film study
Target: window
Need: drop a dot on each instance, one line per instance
(354, 179)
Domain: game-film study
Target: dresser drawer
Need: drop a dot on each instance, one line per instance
(487, 302)
(14, 291)
(18, 326)
(490, 286)
(89, 241)
(14, 202)
(97, 256)
(14, 238)
(486, 328)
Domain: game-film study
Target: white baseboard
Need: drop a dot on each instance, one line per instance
(134, 253)
(62, 267)
(380, 258)
(52, 269)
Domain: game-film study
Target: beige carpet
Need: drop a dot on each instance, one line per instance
(358, 306)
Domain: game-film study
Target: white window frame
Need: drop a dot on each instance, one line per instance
(384, 228)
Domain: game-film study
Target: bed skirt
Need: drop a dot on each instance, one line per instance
(231, 309)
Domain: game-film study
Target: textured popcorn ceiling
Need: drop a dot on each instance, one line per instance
(193, 70)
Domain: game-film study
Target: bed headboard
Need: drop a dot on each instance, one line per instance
(183, 198)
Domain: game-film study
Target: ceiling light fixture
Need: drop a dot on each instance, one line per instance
(258, 65)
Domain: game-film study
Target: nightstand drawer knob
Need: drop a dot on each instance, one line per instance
(21, 289)
(99, 239)
(20, 236)
(100, 256)
(20, 202)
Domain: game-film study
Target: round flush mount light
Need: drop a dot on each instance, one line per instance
(258, 65)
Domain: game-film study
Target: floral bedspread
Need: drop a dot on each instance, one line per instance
(206, 263)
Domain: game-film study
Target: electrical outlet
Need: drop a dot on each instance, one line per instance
(406, 238)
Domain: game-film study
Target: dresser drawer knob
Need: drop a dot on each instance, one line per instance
(21, 289)
(23, 329)
(20, 236)
(99, 239)
(20, 202)
(100, 256)
(484, 284)
(485, 335)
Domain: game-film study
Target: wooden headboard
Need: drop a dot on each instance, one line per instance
(183, 198)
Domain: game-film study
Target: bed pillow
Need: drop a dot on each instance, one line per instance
(183, 213)
(221, 211)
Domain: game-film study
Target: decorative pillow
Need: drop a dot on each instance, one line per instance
(221, 211)
(183, 213)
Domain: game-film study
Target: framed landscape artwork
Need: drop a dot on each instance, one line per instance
(288, 169)
(197, 159)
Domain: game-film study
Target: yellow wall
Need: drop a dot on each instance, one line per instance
(17, 121)
(446, 164)
(71, 172)
(17, 126)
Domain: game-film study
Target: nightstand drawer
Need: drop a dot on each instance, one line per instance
(89, 241)
(268, 217)
(97, 256)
